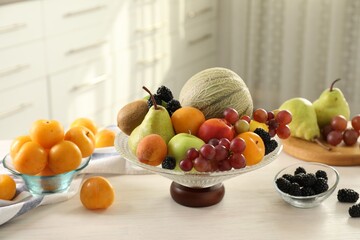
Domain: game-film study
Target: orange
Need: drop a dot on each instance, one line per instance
(97, 193)
(255, 148)
(46, 132)
(7, 187)
(104, 138)
(187, 120)
(31, 159)
(64, 157)
(151, 150)
(83, 138)
(85, 122)
(17, 144)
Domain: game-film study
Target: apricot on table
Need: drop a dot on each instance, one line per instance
(151, 150)
(104, 138)
(7, 187)
(17, 144)
(255, 148)
(97, 193)
(83, 138)
(46, 132)
(85, 122)
(31, 158)
(64, 157)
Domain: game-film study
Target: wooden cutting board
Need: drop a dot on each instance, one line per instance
(340, 155)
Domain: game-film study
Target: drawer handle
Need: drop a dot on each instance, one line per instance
(93, 83)
(19, 108)
(85, 48)
(200, 39)
(83, 11)
(153, 28)
(13, 69)
(194, 14)
(12, 27)
(150, 61)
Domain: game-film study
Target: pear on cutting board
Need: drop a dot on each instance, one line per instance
(156, 121)
(331, 103)
(304, 121)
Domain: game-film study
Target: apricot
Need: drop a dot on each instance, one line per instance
(255, 148)
(31, 158)
(7, 187)
(97, 193)
(85, 122)
(151, 150)
(83, 138)
(187, 120)
(17, 144)
(46, 132)
(104, 138)
(64, 157)
(46, 172)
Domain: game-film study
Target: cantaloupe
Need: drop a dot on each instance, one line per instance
(213, 90)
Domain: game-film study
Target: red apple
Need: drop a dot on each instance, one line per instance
(216, 128)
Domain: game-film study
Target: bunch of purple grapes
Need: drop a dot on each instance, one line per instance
(216, 155)
(338, 131)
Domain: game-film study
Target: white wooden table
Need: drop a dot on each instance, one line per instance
(144, 209)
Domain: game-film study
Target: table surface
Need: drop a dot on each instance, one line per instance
(144, 209)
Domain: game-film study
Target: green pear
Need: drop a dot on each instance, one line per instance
(304, 122)
(331, 103)
(156, 121)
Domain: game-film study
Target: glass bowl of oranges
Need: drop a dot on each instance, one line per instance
(46, 182)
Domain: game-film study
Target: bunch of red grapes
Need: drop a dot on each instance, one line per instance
(216, 155)
(338, 131)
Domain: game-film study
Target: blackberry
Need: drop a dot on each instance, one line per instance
(270, 146)
(320, 185)
(157, 100)
(308, 180)
(307, 191)
(347, 195)
(299, 170)
(172, 106)
(265, 136)
(294, 189)
(168, 163)
(288, 177)
(321, 174)
(283, 184)
(298, 178)
(164, 93)
(354, 210)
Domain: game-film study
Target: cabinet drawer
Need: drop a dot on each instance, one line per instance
(20, 22)
(81, 91)
(199, 10)
(20, 106)
(68, 50)
(65, 15)
(19, 64)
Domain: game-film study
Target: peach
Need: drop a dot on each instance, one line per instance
(216, 128)
(83, 138)
(151, 150)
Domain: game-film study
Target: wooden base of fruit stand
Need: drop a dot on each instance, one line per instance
(340, 155)
(197, 197)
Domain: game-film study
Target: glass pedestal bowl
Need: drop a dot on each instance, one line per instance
(39, 185)
(189, 188)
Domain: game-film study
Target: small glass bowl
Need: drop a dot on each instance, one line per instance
(314, 200)
(39, 185)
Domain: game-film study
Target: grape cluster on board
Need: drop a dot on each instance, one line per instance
(339, 131)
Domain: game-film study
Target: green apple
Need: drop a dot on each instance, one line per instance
(180, 144)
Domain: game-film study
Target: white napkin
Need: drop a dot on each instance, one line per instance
(106, 161)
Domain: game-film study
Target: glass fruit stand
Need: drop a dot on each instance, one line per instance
(189, 188)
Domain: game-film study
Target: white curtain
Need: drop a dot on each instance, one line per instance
(291, 48)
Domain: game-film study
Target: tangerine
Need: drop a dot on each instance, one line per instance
(97, 193)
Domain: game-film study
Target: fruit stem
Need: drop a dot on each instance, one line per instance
(333, 83)
(322, 144)
(152, 98)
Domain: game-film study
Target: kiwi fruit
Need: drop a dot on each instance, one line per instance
(131, 115)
